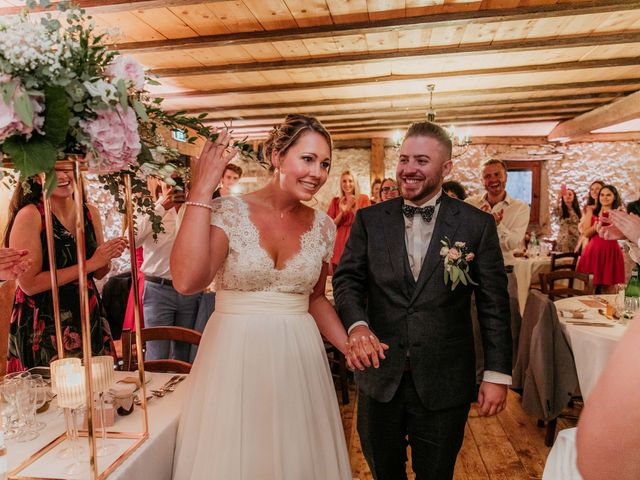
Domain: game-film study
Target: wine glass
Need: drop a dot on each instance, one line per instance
(26, 406)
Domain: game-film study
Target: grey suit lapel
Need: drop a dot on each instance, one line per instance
(394, 232)
(446, 226)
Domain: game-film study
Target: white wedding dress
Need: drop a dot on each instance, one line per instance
(261, 403)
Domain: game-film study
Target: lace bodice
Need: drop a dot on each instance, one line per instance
(248, 267)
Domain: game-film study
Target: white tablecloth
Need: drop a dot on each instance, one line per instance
(526, 271)
(591, 346)
(153, 460)
(561, 462)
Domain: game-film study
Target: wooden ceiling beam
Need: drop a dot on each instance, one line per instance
(509, 46)
(486, 16)
(622, 110)
(344, 101)
(447, 117)
(426, 77)
(589, 99)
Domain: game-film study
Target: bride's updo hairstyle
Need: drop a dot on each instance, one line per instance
(285, 135)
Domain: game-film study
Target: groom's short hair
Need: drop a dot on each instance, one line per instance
(433, 130)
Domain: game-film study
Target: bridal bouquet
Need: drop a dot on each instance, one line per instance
(456, 263)
(62, 92)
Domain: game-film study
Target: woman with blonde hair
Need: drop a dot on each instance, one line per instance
(342, 210)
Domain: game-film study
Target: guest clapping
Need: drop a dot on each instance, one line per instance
(13, 263)
(32, 337)
(602, 258)
(342, 210)
(389, 189)
(568, 212)
(511, 215)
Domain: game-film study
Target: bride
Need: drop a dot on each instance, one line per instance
(260, 401)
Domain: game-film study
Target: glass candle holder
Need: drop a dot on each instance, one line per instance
(103, 378)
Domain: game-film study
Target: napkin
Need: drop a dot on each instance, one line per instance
(577, 314)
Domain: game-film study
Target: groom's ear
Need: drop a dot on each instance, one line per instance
(446, 168)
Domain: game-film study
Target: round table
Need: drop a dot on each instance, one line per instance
(526, 271)
(591, 345)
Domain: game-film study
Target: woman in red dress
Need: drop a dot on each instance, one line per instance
(602, 258)
(342, 210)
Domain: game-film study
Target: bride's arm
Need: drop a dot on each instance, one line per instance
(199, 248)
(325, 316)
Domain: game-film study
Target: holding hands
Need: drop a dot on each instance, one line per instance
(13, 263)
(364, 349)
(207, 171)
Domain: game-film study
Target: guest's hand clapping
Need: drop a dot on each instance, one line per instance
(207, 170)
(106, 252)
(347, 203)
(364, 349)
(13, 263)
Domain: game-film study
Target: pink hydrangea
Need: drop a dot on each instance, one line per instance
(128, 69)
(10, 122)
(114, 138)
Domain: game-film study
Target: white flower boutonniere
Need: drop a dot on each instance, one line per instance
(456, 263)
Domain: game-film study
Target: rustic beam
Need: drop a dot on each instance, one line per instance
(622, 110)
(590, 99)
(426, 77)
(377, 159)
(487, 16)
(608, 137)
(420, 98)
(510, 46)
(375, 115)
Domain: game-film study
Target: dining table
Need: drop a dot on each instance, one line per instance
(592, 337)
(526, 270)
(153, 460)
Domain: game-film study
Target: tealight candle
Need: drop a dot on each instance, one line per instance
(102, 373)
(71, 386)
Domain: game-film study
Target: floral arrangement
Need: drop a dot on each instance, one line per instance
(456, 263)
(62, 92)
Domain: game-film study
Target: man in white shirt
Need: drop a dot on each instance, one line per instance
(392, 285)
(511, 215)
(162, 304)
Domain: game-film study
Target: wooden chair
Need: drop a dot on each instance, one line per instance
(338, 366)
(564, 265)
(177, 334)
(567, 288)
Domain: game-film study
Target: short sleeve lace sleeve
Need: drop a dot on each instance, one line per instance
(328, 233)
(224, 214)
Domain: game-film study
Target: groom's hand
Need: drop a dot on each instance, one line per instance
(492, 398)
(364, 349)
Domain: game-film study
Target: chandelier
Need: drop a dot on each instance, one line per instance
(460, 140)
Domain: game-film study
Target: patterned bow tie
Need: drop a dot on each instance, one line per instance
(426, 212)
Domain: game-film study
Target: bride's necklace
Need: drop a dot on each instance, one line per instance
(288, 212)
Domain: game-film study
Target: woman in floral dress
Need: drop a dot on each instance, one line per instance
(568, 212)
(32, 337)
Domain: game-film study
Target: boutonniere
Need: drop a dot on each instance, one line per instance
(456, 263)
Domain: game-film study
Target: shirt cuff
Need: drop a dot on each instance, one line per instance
(357, 324)
(496, 377)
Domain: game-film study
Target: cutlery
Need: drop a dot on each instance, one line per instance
(169, 386)
(590, 324)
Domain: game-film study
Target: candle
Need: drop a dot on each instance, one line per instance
(58, 364)
(71, 386)
(102, 373)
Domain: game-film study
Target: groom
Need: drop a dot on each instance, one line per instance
(391, 285)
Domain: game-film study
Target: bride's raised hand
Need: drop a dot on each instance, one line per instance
(207, 170)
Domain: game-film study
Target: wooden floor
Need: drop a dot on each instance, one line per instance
(509, 446)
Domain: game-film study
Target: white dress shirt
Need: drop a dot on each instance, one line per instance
(418, 236)
(157, 252)
(515, 220)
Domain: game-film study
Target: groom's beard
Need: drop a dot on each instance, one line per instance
(430, 186)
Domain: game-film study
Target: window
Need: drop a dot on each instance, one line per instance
(523, 183)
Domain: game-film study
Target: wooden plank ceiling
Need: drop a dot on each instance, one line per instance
(362, 66)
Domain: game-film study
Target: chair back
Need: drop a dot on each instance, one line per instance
(177, 334)
(565, 286)
(564, 264)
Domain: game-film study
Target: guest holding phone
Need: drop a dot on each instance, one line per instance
(603, 258)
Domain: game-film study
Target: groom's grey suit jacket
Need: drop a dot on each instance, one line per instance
(425, 319)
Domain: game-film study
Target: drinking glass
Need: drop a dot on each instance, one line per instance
(8, 408)
(26, 406)
(41, 391)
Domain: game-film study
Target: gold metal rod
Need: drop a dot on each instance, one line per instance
(85, 316)
(53, 268)
(128, 200)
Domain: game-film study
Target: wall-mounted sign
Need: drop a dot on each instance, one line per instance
(179, 135)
